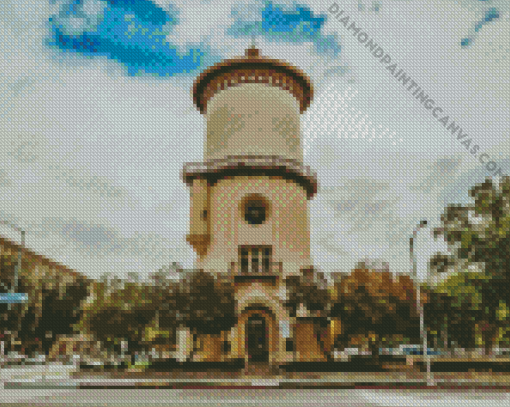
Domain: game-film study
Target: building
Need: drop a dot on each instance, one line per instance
(41, 275)
(249, 205)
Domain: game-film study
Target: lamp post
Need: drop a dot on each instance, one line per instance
(423, 331)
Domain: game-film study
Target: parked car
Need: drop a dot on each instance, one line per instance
(501, 352)
(36, 360)
(419, 351)
(14, 357)
(409, 350)
(347, 353)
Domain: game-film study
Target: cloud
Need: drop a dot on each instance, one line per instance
(88, 150)
(488, 12)
(92, 143)
(149, 40)
(295, 26)
(282, 22)
(129, 32)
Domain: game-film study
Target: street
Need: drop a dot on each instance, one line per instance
(61, 391)
(246, 397)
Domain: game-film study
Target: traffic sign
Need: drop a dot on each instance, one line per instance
(13, 298)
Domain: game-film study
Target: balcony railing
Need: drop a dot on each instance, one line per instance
(270, 269)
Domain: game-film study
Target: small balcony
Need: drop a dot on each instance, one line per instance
(268, 271)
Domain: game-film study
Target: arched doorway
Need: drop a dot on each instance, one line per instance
(257, 339)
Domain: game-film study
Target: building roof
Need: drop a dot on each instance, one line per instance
(253, 62)
(34, 258)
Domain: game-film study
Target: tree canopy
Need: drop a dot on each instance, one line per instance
(478, 236)
(377, 302)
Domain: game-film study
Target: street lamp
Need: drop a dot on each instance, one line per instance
(423, 331)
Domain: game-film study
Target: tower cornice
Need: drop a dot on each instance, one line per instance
(252, 165)
(252, 68)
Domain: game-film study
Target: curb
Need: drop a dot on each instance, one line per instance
(252, 384)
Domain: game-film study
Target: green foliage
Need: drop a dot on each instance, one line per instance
(503, 311)
(55, 297)
(480, 232)
(465, 289)
(375, 301)
(150, 313)
(310, 289)
(207, 303)
(125, 312)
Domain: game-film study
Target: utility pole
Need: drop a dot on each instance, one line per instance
(419, 305)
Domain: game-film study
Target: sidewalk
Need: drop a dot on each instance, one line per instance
(472, 381)
(291, 380)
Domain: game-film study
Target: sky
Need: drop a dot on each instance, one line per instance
(97, 121)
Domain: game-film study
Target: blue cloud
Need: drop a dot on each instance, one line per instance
(296, 24)
(131, 32)
(134, 32)
(145, 11)
(489, 15)
(276, 20)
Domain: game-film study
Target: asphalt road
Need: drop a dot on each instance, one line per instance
(274, 397)
(228, 397)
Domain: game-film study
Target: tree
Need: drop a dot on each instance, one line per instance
(310, 289)
(143, 314)
(479, 232)
(437, 310)
(60, 309)
(374, 302)
(54, 302)
(108, 315)
(167, 299)
(206, 303)
(468, 305)
(309, 292)
(478, 235)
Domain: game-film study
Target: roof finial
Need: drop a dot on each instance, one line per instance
(252, 51)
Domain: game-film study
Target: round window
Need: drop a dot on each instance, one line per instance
(255, 210)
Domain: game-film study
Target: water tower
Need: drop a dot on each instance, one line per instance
(249, 197)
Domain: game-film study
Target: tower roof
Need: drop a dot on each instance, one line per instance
(252, 68)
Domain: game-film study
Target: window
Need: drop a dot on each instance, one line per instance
(289, 345)
(266, 255)
(255, 259)
(244, 260)
(255, 209)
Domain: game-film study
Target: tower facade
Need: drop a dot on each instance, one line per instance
(249, 202)
(249, 196)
